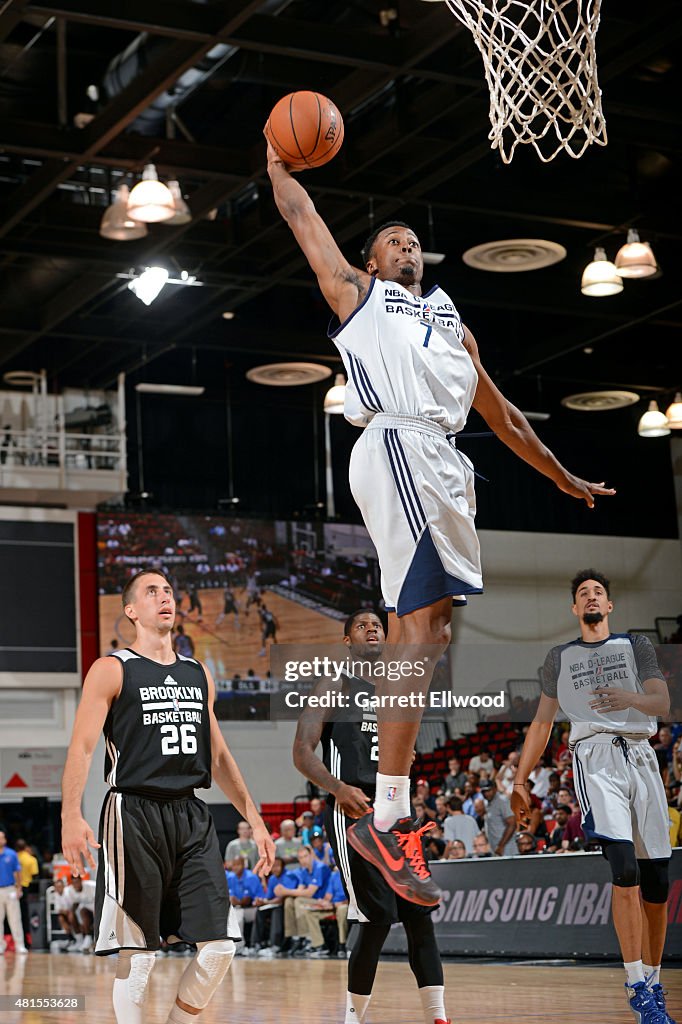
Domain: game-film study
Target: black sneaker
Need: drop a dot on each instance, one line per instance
(399, 856)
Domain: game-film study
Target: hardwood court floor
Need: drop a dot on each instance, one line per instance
(224, 647)
(313, 992)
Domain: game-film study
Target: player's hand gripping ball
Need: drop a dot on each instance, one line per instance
(305, 129)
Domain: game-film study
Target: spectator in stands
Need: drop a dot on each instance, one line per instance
(29, 872)
(480, 808)
(551, 800)
(243, 846)
(459, 825)
(665, 742)
(561, 816)
(499, 821)
(82, 896)
(317, 808)
(481, 847)
(320, 847)
(306, 826)
(271, 922)
(245, 887)
(540, 777)
(441, 809)
(423, 793)
(455, 778)
(182, 643)
(434, 844)
(674, 817)
(506, 773)
(334, 901)
(562, 746)
(526, 843)
(676, 763)
(470, 795)
(567, 796)
(62, 905)
(288, 844)
(304, 935)
(113, 646)
(456, 850)
(482, 760)
(573, 837)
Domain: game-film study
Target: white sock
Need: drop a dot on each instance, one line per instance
(356, 1008)
(178, 1016)
(433, 1003)
(652, 974)
(634, 971)
(392, 800)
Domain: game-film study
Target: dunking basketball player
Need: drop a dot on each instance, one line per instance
(413, 374)
(160, 871)
(611, 688)
(347, 770)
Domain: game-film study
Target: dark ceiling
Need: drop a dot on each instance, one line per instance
(415, 105)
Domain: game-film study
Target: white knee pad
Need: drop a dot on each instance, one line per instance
(135, 968)
(205, 972)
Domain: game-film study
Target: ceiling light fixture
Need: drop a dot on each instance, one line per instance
(170, 389)
(673, 413)
(600, 277)
(228, 315)
(151, 201)
(148, 285)
(182, 213)
(336, 396)
(117, 224)
(429, 256)
(635, 258)
(653, 423)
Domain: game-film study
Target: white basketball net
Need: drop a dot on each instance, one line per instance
(541, 67)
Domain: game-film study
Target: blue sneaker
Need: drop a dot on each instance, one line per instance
(658, 992)
(643, 1004)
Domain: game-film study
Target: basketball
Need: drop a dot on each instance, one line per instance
(305, 129)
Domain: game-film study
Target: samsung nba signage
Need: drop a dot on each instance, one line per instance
(538, 906)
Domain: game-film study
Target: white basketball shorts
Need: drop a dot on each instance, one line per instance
(416, 495)
(622, 797)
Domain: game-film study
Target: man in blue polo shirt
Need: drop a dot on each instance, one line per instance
(10, 894)
(312, 877)
(245, 887)
(334, 899)
(273, 917)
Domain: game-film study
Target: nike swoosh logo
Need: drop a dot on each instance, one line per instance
(391, 862)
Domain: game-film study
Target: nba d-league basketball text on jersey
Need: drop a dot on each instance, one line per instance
(157, 733)
(411, 383)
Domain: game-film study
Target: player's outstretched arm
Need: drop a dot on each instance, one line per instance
(102, 685)
(537, 738)
(226, 773)
(342, 285)
(512, 427)
(351, 800)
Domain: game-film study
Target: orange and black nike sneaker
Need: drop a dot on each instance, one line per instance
(398, 855)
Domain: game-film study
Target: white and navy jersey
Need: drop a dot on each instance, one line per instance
(158, 733)
(404, 355)
(350, 743)
(623, 661)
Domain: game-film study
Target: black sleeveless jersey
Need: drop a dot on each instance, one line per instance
(350, 744)
(157, 733)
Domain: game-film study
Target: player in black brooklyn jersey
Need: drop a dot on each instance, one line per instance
(160, 872)
(347, 771)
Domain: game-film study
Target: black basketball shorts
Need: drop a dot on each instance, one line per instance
(160, 875)
(370, 899)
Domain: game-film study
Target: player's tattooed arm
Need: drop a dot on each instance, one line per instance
(342, 285)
